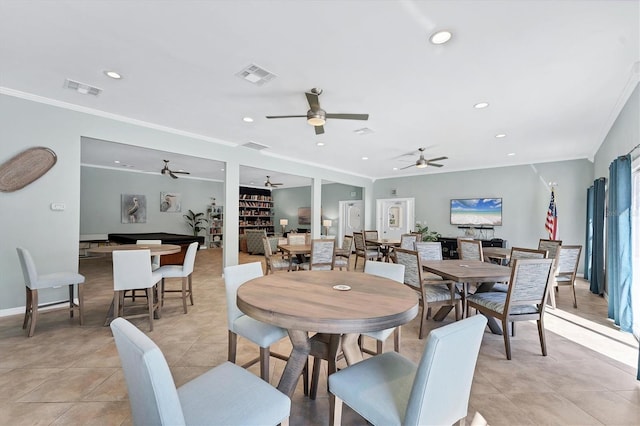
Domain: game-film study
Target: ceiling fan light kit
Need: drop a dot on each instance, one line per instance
(167, 171)
(422, 163)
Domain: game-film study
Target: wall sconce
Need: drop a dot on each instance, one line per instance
(327, 224)
(284, 223)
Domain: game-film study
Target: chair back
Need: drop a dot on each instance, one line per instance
(412, 267)
(429, 250)
(155, 260)
(529, 283)
(266, 244)
(442, 385)
(407, 241)
(551, 246)
(322, 254)
(131, 269)
(347, 243)
(28, 266)
(370, 235)
(393, 271)
(190, 258)
(470, 250)
(152, 392)
(568, 258)
(296, 239)
(307, 238)
(525, 253)
(358, 240)
(234, 277)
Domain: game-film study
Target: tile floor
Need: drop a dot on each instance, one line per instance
(67, 374)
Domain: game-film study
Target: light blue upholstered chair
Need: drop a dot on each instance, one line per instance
(524, 301)
(224, 395)
(183, 271)
(565, 273)
(239, 324)
(34, 282)
(389, 389)
(393, 271)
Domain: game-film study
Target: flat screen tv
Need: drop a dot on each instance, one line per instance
(476, 212)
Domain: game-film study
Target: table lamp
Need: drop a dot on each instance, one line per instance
(284, 223)
(327, 224)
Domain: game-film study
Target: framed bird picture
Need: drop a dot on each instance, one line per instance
(133, 208)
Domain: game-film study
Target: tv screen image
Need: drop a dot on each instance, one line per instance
(476, 211)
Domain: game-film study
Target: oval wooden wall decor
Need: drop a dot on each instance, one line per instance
(26, 168)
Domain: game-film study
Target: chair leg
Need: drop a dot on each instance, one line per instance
(396, 339)
(264, 363)
(27, 308)
(543, 343)
(150, 298)
(575, 301)
(70, 300)
(423, 320)
(315, 377)
(184, 293)
(161, 292)
(191, 289)
(34, 312)
(116, 304)
(505, 335)
(552, 299)
(335, 410)
(379, 347)
(513, 329)
(233, 345)
(81, 303)
(305, 378)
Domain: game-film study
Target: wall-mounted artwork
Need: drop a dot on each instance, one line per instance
(395, 217)
(170, 202)
(304, 215)
(133, 208)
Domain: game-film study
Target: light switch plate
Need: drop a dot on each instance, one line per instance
(58, 206)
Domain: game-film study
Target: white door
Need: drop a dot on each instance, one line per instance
(394, 217)
(351, 218)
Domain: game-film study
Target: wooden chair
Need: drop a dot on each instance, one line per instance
(470, 250)
(34, 282)
(226, 394)
(565, 273)
(183, 271)
(525, 299)
(389, 389)
(296, 239)
(408, 241)
(431, 294)
(132, 271)
(322, 255)
(362, 250)
(343, 255)
(372, 235)
(552, 247)
(519, 253)
(274, 262)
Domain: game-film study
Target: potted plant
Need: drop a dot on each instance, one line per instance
(196, 222)
(426, 234)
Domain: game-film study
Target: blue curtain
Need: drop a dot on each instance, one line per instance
(588, 243)
(619, 273)
(597, 248)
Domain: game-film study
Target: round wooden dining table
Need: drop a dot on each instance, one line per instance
(333, 302)
(156, 249)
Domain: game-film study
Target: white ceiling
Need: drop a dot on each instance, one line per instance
(555, 73)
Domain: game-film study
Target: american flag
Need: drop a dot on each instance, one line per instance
(551, 225)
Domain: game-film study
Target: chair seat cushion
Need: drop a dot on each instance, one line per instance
(438, 293)
(305, 266)
(503, 288)
(495, 301)
(377, 388)
(57, 279)
(170, 271)
(340, 262)
(279, 263)
(260, 333)
(219, 396)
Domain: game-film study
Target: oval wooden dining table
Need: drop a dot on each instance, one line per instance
(307, 301)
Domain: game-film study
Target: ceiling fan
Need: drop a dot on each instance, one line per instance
(316, 116)
(421, 163)
(268, 183)
(166, 171)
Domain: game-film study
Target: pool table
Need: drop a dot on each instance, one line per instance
(171, 259)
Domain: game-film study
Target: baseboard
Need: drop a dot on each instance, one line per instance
(19, 310)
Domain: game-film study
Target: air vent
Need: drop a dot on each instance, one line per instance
(83, 88)
(255, 145)
(256, 75)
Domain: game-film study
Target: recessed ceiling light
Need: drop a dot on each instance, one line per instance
(113, 74)
(481, 105)
(440, 37)
(511, 154)
(222, 170)
(117, 162)
(250, 183)
(320, 144)
(501, 135)
(247, 120)
(395, 168)
(365, 158)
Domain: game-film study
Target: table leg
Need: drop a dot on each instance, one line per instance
(350, 348)
(295, 364)
(491, 322)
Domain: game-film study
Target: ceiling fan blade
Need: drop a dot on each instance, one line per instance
(349, 116)
(277, 184)
(182, 173)
(286, 116)
(172, 175)
(410, 165)
(319, 129)
(434, 164)
(314, 102)
(437, 159)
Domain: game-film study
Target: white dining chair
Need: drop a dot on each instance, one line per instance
(225, 395)
(239, 324)
(132, 271)
(183, 271)
(34, 282)
(155, 260)
(389, 389)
